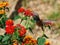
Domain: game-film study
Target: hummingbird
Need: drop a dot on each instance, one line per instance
(39, 22)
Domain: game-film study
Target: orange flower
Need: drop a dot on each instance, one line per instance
(34, 41)
(2, 11)
(2, 4)
(47, 42)
(28, 38)
(5, 3)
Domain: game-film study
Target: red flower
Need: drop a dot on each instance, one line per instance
(20, 10)
(28, 13)
(22, 32)
(9, 22)
(10, 30)
(27, 42)
(22, 44)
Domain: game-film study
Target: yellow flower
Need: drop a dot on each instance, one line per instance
(2, 4)
(5, 4)
(2, 11)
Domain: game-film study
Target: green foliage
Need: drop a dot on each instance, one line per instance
(1, 37)
(16, 17)
(41, 40)
(6, 38)
(2, 21)
(15, 36)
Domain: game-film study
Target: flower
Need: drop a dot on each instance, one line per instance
(29, 40)
(34, 41)
(9, 22)
(9, 30)
(28, 37)
(22, 31)
(2, 11)
(22, 44)
(47, 42)
(3, 4)
(28, 13)
(20, 10)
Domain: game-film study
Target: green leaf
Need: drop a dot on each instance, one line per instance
(24, 18)
(6, 37)
(32, 20)
(2, 21)
(1, 37)
(16, 35)
(17, 17)
(23, 23)
(41, 40)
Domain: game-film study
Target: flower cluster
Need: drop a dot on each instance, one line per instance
(21, 30)
(28, 40)
(2, 6)
(10, 28)
(26, 12)
(2, 11)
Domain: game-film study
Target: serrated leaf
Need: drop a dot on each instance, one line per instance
(6, 38)
(41, 40)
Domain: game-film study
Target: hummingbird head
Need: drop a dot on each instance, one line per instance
(36, 16)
